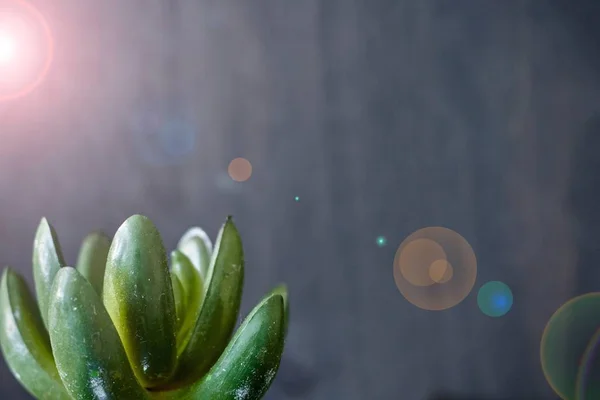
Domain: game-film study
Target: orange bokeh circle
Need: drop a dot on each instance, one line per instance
(240, 169)
(35, 22)
(444, 278)
(441, 271)
(415, 259)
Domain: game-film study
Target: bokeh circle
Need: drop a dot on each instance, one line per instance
(240, 169)
(162, 134)
(495, 299)
(441, 271)
(435, 268)
(33, 48)
(569, 349)
(416, 258)
(381, 241)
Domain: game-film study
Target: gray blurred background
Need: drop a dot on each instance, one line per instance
(382, 116)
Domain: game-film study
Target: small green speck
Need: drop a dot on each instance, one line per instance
(297, 198)
(381, 241)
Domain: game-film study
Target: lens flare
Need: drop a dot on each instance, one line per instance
(495, 299)
(440, 271)
(26, 49)
(7, 48)
(435, 268)
(415, 259)
(568, 349)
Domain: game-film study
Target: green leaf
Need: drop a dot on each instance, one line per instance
(249, 364)
(24, 340)
(219, 309)
(138, 296)
(196, 245)
(47, 260)
(89, 354)
(91, 261)
(283, 291)
(179, 296)
(193, 290)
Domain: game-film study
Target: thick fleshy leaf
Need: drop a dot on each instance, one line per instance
(193, 290)
(91, 261)
(283, 291)
(179, 296)
(196, 245)
(89, 354)
(25, 342)
(219, 309)
(138, 295)
(249, 364)
(47, 260)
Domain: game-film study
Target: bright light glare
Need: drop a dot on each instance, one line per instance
(7, 48)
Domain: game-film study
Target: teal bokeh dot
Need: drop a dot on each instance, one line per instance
(494, 299)
(381, 241)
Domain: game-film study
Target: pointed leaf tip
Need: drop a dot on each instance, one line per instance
(282, 290)
(250, 362)
(47, 260)
(220, 307)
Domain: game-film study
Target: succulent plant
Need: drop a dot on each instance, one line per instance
(123, 325)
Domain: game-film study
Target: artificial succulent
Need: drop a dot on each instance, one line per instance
(121, 324)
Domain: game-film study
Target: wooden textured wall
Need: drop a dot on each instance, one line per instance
(382, 116)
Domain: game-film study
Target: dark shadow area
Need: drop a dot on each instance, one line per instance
(583, 19)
